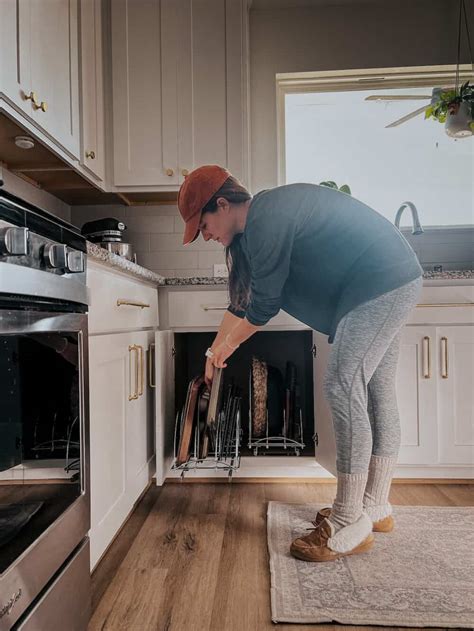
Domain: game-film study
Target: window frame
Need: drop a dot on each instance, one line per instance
(354, 80)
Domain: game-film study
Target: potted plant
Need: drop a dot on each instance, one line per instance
(455, 109)
(330, 184)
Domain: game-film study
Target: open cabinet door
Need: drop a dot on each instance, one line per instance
(164, 402)
(325, 444)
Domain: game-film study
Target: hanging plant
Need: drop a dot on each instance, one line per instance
(449, 103)
(330, 184)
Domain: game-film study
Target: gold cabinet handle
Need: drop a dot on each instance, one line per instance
(426, 358)
(151, 366)
(444, 357)
(214, 307)
(141, 370)
(90, 154)
(133, 348)
(132, 303)
(185, 172)
(32, 97)
(169, 172)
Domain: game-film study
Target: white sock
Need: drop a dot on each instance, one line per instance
(348, 506)
(376, 493)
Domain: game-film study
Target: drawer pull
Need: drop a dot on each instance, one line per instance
(140, 371)
(444, 357)
(151, 366)
(132, 303)
(426, 358)
(133, 349)
(214, 307)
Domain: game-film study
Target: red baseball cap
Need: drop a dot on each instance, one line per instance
(195, 192)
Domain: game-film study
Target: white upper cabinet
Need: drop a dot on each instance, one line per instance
(179, 89)
(39, 73)
(92, 88)
(144, 114)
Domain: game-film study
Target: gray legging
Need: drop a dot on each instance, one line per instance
(360, 381)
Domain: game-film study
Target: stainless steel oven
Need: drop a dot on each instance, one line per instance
(44, 430)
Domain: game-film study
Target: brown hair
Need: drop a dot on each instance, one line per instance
(237, 263)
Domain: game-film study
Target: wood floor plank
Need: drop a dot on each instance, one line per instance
(126, 604)
(242, 597)
(114, 557)
(199, 560)
(458, 494)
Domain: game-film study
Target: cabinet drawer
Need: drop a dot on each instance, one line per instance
(119, 303)
(206, 308)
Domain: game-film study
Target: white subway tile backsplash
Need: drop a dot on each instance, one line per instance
(169, 260)
(168, 242)
(445, 253)
(82, 214)
(151, 210)
(179, 224)
(140, 240)
(185, 273)
(155, 224)
(208, 259)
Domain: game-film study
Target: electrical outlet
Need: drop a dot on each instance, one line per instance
(220, 269)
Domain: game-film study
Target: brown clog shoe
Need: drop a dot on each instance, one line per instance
(323, 543)
(382, 525)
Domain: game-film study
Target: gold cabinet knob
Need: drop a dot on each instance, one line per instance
(32, 97)
(185, 172)
(90, 154)
(169, 172)
(43, 106)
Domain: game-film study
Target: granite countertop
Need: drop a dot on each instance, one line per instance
(209, 280)
(97, 253)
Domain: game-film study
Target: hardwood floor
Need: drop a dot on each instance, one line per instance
(193, 557)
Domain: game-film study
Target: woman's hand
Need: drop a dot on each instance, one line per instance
(221, 353)
(209, 373)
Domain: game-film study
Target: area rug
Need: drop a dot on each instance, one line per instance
(419, 575)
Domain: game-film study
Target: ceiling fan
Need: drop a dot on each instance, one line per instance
(433, 97)
(458, 109)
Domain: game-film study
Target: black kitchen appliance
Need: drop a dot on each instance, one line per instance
(108, 233)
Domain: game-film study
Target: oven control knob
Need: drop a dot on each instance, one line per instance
(54, 255)
(14, 241)
(75, 261)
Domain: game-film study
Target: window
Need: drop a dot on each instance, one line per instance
(330, 132)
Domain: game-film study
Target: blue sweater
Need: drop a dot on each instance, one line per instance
(317, 253)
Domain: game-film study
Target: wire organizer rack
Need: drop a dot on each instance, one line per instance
(226, 436)
(267, 441)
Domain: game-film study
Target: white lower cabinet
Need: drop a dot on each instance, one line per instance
(435, 396)
(416, 396)
(455, 377)
(121, 431)
(434, 383)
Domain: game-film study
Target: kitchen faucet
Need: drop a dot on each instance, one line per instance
(417, 229)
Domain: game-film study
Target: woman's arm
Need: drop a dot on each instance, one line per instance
(238, 330)
(229, 322)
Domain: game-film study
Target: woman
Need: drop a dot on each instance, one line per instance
(341, 268)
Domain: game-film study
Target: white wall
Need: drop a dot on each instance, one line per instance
(353, 35)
